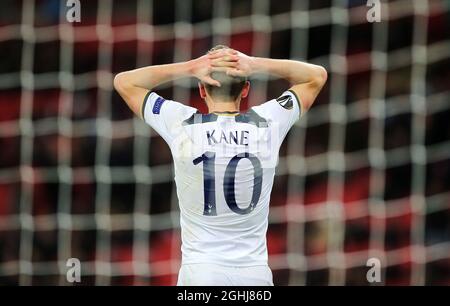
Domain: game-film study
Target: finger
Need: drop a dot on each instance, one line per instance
(221, 53)
(230, 58)
(219, 69)
(236, 72)
(220, 63)
(231, 51)
(226, 58)
(233, 57)
(209, 80)
(216, 54)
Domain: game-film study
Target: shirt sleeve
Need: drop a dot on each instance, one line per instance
(165, 116)
(282, 112)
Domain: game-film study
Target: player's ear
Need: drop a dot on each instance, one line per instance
(245, 89)
(202, 90)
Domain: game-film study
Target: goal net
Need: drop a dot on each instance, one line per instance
(364, 175)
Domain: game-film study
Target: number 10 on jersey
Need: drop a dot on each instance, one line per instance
(209, 182)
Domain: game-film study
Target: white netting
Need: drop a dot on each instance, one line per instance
(365, 174)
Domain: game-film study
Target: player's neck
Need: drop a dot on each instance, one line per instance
(223, 107)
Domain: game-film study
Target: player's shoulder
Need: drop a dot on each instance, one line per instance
(156, 105)
(286, 103)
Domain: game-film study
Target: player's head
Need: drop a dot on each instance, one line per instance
(231, 89)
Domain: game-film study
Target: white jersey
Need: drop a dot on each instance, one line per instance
(224, 172)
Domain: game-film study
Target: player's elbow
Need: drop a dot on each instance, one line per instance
(311, 89)
(320, 76)
(122, 83)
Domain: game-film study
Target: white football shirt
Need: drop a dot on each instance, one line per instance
(224, 172)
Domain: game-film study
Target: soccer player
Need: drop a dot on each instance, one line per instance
(224, 160)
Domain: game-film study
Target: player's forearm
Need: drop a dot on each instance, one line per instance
(295, 72)
(152, 76)
(133, 86)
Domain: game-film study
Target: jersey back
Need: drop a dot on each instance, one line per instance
(224, 172)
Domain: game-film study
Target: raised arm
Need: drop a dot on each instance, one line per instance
(134, 85)
(306, 79)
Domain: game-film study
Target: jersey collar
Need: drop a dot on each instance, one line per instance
(227, 113)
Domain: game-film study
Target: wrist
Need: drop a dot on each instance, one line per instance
(188, 67)
(193, 66)
(256, 64)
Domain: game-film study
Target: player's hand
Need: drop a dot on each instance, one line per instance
(236, 63)
(217, 61)
(201, 68)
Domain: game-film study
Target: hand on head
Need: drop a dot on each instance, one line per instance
(229, 61)
(232, 62)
